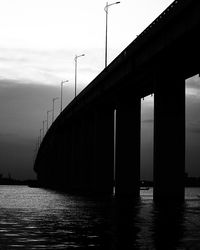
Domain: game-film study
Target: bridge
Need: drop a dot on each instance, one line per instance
(80, 153)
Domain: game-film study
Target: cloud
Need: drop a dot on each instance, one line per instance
(32, 65)
(48, 67)
(16, 158)
(23, 107)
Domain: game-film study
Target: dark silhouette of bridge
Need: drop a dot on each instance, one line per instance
(77, 153)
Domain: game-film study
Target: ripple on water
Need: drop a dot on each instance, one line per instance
(42, 219)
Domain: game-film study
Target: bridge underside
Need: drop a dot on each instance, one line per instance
(78, 152)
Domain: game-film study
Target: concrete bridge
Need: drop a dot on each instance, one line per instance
(78, 154)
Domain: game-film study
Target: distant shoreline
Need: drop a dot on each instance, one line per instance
(7, 181)
(189, 182)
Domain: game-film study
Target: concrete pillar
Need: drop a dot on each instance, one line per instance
(87, 150)
(85, 157)
(75, 168)
(58, 162)
(128, 116)
(67, 151)
(69, 157)
(169, 135)
(82, 148)
(103, 171)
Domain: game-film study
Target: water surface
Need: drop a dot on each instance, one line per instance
(34, 218)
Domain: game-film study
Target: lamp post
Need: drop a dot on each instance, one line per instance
(54, 99)
(43, 129)
(75, 59)
(40, 136)
(48, 118)
(106, 42)
(61, 94)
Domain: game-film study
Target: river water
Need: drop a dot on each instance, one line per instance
(34, 218)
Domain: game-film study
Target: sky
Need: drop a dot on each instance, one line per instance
(38, 42)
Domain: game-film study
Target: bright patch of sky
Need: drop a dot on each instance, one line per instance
(39, 38)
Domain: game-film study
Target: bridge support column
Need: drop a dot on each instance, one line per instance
(103, 171)
(67, 157)
(80, 162)
(87, 151)
(76, 180)
(128, 125)
(169, 136)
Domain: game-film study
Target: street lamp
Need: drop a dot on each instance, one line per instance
(75, 59)
(38, 142)
(62, 94)
(43, 129)
(54, 99)
(48, 118)
(106, 43)
(40, 136)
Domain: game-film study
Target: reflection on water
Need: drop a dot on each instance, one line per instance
(33, 218)
(168, 226)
